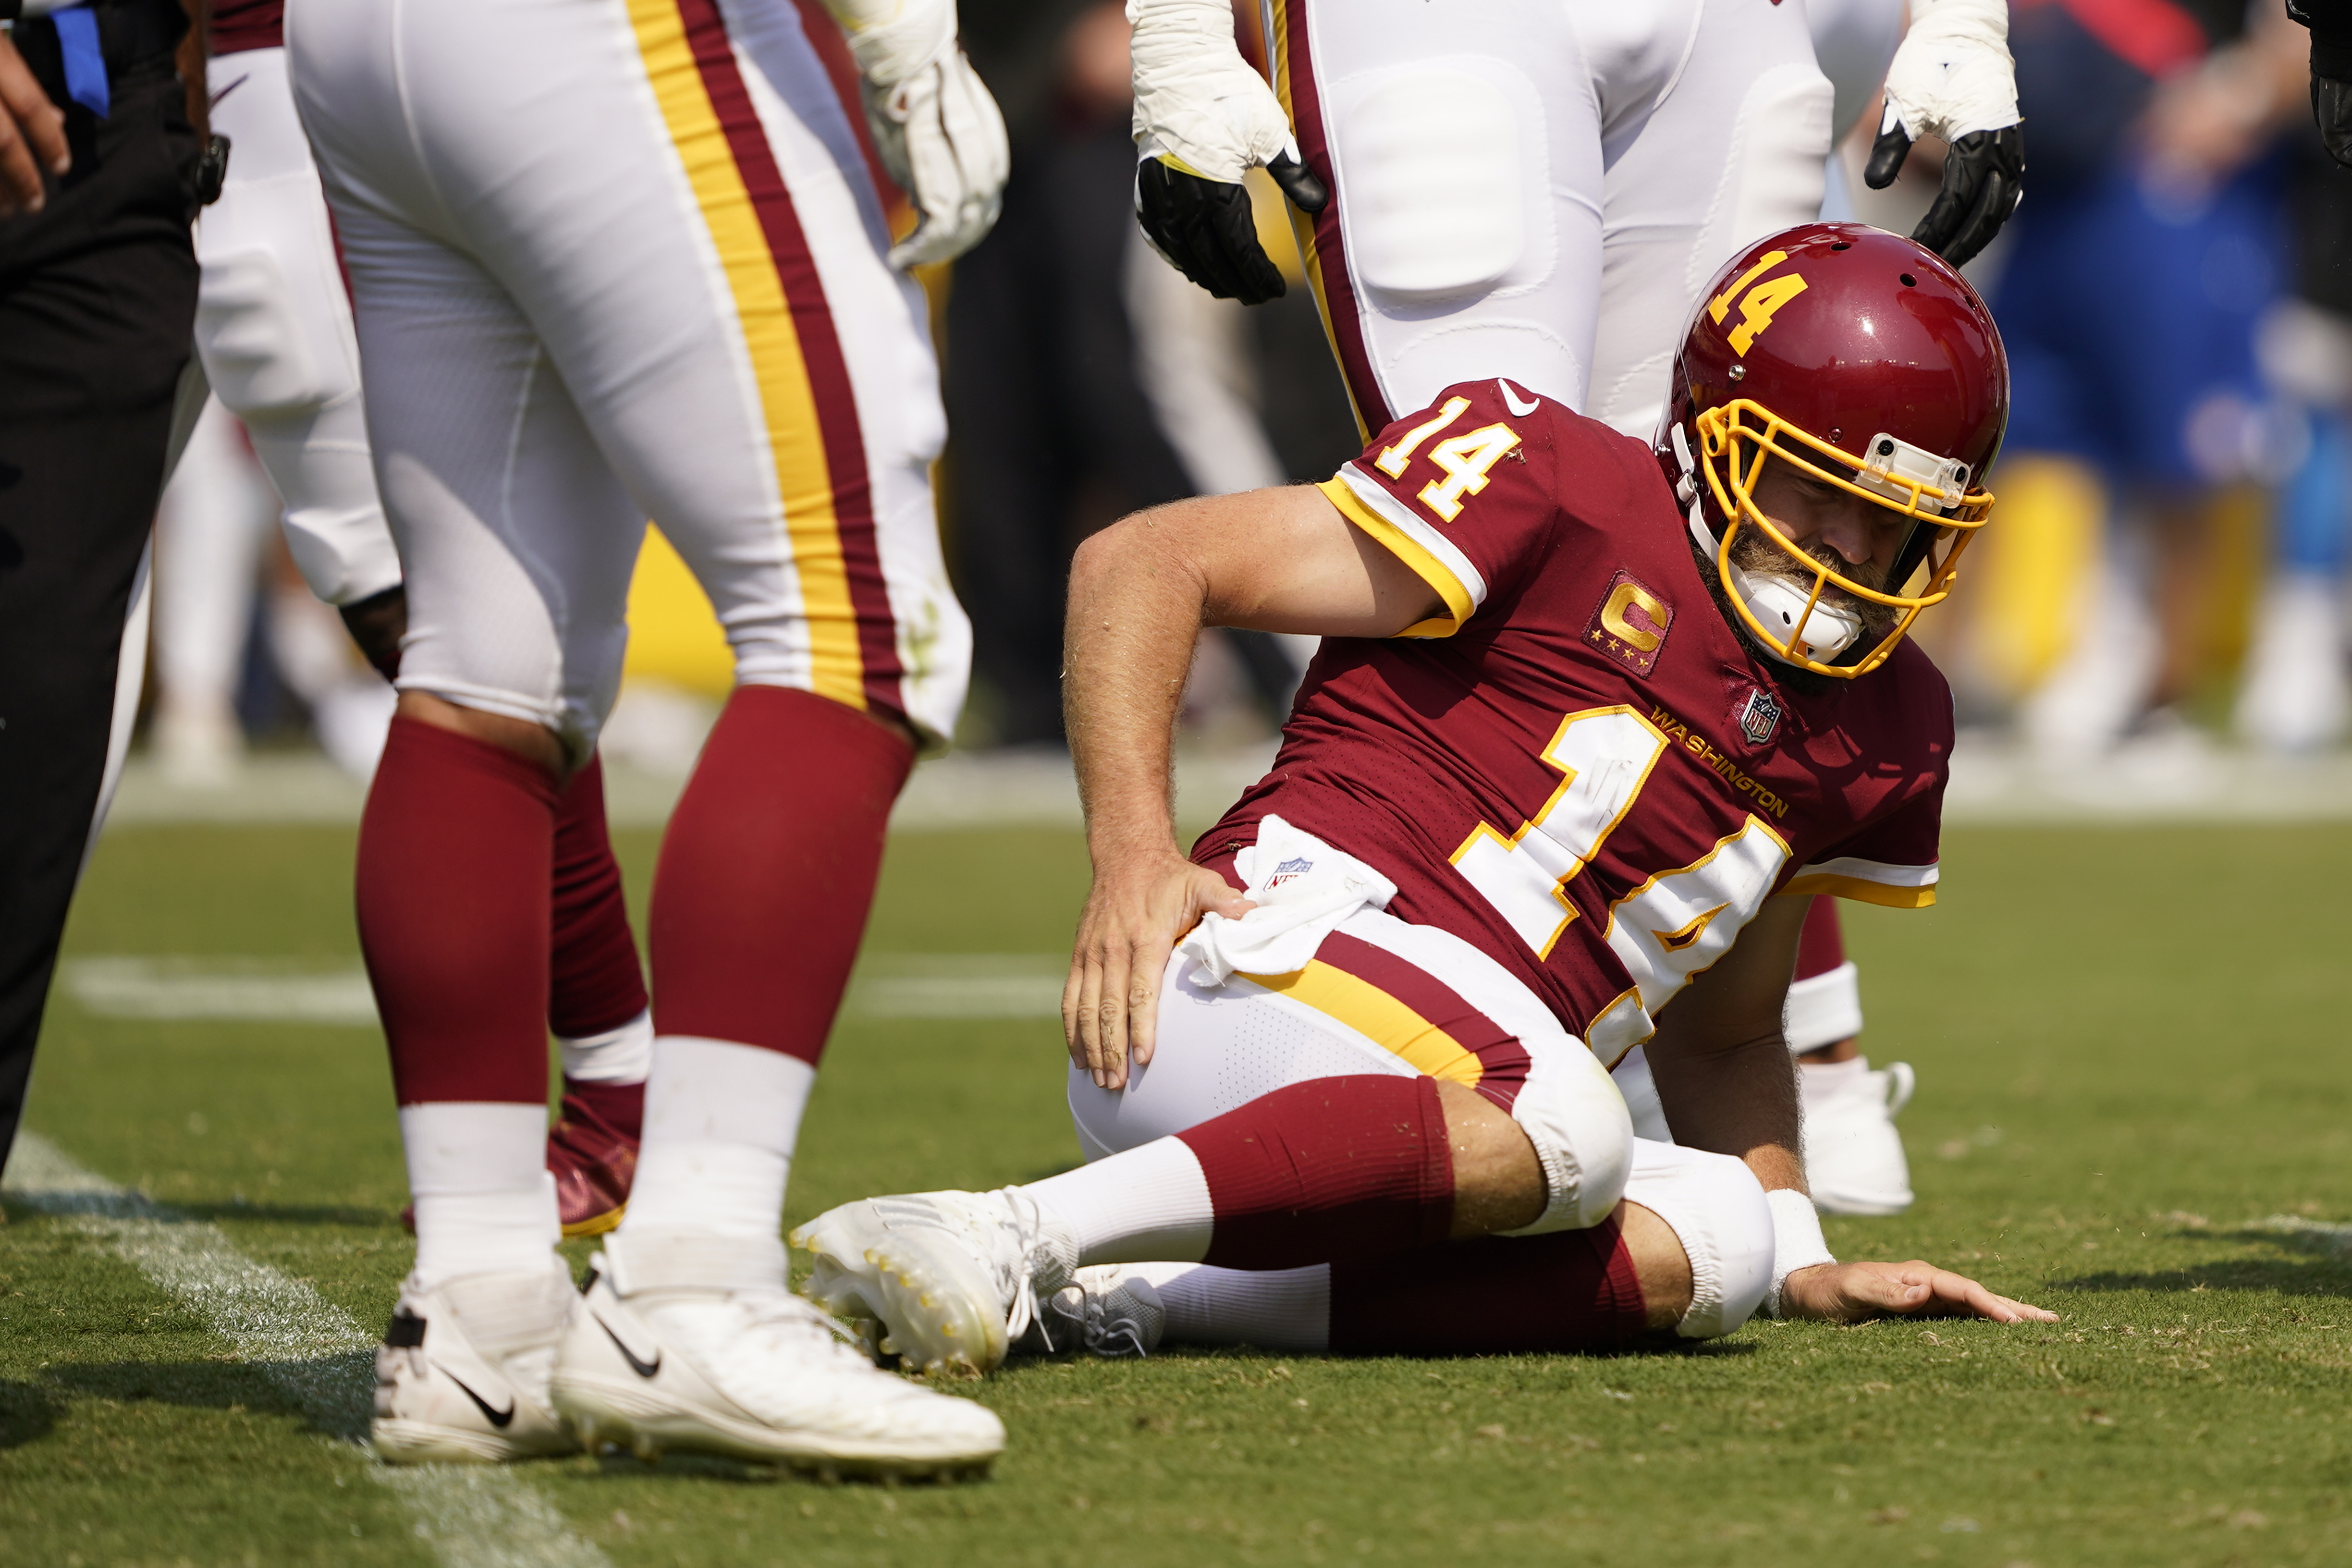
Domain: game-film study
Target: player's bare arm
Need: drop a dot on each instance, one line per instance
(32, 134)
(1722, 1068)
(1724, 1078)
(1140, 591)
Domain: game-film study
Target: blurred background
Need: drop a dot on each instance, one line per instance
(2156, 621)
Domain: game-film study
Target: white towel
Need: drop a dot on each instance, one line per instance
(1303, 889)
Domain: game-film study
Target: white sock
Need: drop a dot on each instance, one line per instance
(722, 1120)
(1149, 1202)
(1821, 1080)
(478, 1173)
(1274, 1308)
(617, 1055)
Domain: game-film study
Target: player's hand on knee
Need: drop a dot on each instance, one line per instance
(1849, 1292)
(1953, 79)
(1203, 118)
(32, 135)
(934, 122)
(1134, 916)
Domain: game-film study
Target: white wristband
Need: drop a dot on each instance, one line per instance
(1797, 1241)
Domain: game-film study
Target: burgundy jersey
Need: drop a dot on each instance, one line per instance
(1577, 766)
(241, 25)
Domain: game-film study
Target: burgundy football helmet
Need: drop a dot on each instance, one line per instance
(1863, 360)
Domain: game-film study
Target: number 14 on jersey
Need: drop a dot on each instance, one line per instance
(1672, 926)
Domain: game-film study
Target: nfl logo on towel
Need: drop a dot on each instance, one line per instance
(1289, 870)
(1760, 719)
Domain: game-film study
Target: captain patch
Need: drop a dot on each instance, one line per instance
(1630, 625)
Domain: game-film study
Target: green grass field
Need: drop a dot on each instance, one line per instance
(2131, 1052)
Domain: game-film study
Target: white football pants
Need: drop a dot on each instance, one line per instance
(274, 332)
(613, 259)
(1539, 189)
(1365, 1004)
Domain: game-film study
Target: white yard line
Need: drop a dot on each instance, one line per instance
(473, 1517)
(216, 988)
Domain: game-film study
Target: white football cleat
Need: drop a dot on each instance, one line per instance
(1109, 1309)
(1854, 1156)
(694, 1343)
(953, 1279)
(461, 1376)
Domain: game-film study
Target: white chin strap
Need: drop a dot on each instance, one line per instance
(1777, 601)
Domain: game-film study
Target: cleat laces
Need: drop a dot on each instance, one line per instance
(1098, 1332)
(1017, 1273)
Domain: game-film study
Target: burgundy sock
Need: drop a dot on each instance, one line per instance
(616, 1109)
(768, 870)
(594, 981)
(1564, 1291)
(1333, 1168)
(455, 850)
(1821, 945)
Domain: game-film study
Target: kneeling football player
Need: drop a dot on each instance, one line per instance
(1592, 727)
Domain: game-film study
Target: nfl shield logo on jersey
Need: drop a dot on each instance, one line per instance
(1759, 720)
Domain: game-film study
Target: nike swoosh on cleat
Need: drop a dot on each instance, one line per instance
(642, 1368)
(1511, 400)
(498, 1418)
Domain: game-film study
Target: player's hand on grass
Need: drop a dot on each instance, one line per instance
(32, 135)
(1135, 915)
(1849, 1292)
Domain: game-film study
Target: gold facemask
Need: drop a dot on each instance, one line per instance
(1738, 439)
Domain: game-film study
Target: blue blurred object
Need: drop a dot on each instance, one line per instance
(2129, 310)
(2315, 508)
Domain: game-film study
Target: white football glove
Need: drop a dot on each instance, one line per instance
(937, 130)
(1202, 120)
(1952, 78)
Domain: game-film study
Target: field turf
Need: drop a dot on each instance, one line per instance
(2133, 1109)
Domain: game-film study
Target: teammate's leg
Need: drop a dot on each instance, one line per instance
(1729, 147)
(1854, 1156)
(512, 531)
(696, 326)
(596, 1009)
(1465, 153)
(273, 328)
(209, 533)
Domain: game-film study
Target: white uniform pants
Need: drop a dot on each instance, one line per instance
(1383, 996)
(615, 259)
(1539, 188)
(274, 332)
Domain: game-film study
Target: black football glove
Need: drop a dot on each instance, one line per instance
(1206, 230)
(2331, 72)
(1984, 179)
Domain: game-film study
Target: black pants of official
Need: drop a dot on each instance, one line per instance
(97, 302)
